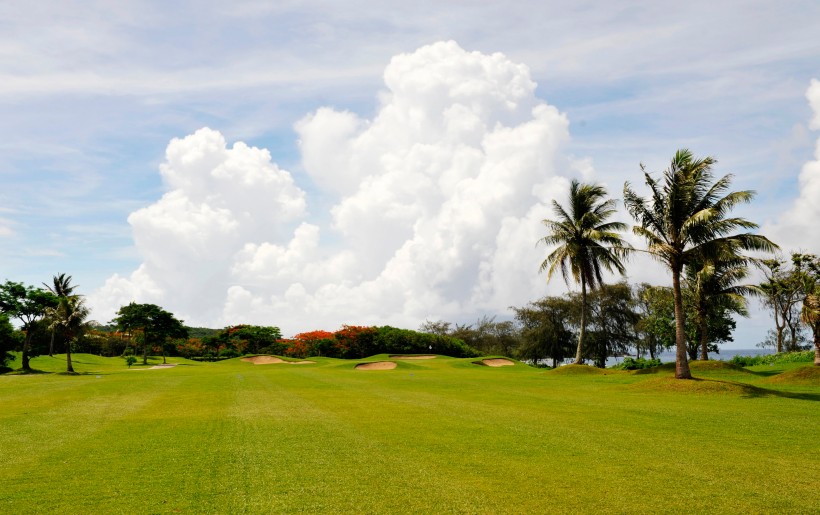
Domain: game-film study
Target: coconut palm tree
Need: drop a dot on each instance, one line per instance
(714, 285)
(685, 218)
(587, 243)
(61, 287)
(69, 319)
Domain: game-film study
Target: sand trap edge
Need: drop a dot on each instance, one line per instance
(273, 360)
(495, 362)
(376, 365)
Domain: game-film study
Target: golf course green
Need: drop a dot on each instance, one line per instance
(431, 435)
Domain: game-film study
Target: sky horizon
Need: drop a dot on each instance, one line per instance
(308, 165)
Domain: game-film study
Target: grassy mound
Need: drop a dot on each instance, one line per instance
(580, 370)
(699, 367)
(808, 375)
(697, 386)
(665, 368)
(716, 365)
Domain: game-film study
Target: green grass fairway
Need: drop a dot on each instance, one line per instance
(430, 436)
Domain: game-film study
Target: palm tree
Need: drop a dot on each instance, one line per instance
(587, 243)
(61, 287)
(685, 219)
(713, 284)
(69, 318)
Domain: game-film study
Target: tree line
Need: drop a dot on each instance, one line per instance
(687, 225)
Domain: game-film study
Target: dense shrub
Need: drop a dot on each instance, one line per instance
(229, 353)
(772, 359)
(358, 342)
(637, 364)
(404, 341)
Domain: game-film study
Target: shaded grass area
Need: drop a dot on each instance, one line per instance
(440, 435)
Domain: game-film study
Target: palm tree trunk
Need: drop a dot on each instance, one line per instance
(681, 362)
(579, 351)
(704, 337)
(145, 347)
(816, 331)
(26, 346)
(69, 367)
(51, 345)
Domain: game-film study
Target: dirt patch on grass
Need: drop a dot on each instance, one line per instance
(412, 356)
(376, 365)
(495, 362)
(165, 365)
(273, 360)
(808, 376)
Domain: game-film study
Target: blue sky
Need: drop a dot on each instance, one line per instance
(91, 96)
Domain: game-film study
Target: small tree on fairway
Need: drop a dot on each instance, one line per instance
(685, 218)
(69, 319)
(587, 243)
(27, 304)
(61, 287)
(156, 325)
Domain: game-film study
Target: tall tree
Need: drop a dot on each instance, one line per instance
(27, 304)
(808, 267)
(587, 243)
(612, 322)
(544, 330)
(656, 327)
(686, 217)
(782, 292)
(61, 287)
(714, 287)
(155, 323)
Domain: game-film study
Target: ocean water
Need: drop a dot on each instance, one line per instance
(724, 355)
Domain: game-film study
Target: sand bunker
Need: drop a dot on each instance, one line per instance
(377, 365)
(412, 356)
(270, 360)
(496, 362)
(155, 367)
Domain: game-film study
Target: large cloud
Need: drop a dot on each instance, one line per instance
(436, 208)
(796, 229)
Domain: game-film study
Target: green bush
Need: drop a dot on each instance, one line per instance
(229, 353)
(637, 364)
(772, 359)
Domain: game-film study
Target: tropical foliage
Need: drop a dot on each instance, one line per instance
(588, 243)
(686, 219)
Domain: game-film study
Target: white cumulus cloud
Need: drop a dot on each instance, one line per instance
(435, 207)
(797, 228)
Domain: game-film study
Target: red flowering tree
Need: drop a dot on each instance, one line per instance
(355, 341)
